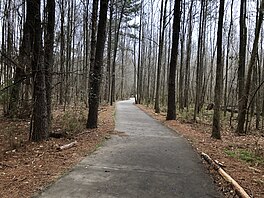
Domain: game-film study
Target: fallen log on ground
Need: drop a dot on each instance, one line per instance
(67, 146)
(239, 190)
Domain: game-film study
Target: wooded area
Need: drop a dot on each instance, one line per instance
(198, 64)
(166, 54)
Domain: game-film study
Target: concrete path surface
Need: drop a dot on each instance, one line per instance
(150, 161)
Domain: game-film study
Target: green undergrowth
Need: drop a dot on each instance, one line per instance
(245, 155)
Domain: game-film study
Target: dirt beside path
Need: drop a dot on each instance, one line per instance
(26, 168)
(242, 156)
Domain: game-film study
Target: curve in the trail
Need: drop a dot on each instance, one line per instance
(150, 161)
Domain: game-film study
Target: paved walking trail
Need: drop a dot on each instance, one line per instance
(150, 162)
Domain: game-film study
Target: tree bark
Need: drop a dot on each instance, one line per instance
(93, 35)
(241, 66)
(39, 121)
(161, 44)
(227, 56)
(109, 53)
(182, 54)
(219, 76)
(62, 53)
(96, 74)
(139, 66)
(171, 110)
(200, 57)
(48, 55)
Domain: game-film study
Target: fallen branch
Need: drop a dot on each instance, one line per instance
(67, 146)
(220, 164)
(239, 190)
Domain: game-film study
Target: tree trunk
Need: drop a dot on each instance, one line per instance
(150, 61)
(93, 37)
(227, 57)
(181, 72)
(96, 73)
(199, 69)
(122, 67)
(139, 66)
(188, 58)
(219, 75)
(109, 53)
(135, 72)
(62, 54)
(48, 55)
(241, 66)
(258, 101)
(171, 110)
(85, 53)
(161, 43)
(39, 121)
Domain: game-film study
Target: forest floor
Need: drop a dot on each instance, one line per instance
(242, 156)
(26, 168)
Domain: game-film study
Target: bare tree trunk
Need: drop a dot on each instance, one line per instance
(109, 53)
(219, 75)
(139, 66)
(62, 53)
(258, 101)
(150, 61)
(241, 66)
(96, 74)
(171, 110)
(39, 121)
(199, 69)
(161, 44)
(135, 73)
(93, 41)
(122, 67)
(48, 55)
(188, 58)
(181, 72)
(85, 53)
(227, 57)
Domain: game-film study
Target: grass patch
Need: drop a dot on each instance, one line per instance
(245, 155)
(230, 153)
